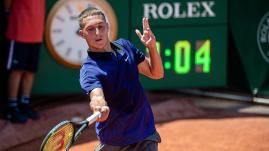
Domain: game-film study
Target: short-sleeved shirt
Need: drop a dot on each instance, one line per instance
(130, 119)
(26, 21)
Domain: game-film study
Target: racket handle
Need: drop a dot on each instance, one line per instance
(93, 117)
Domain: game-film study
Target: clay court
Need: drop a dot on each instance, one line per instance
(185, 123)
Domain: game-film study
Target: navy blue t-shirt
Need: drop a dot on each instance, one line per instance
(131, 118)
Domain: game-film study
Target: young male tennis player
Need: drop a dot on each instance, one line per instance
(110, 76)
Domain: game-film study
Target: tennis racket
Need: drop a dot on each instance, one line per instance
(64, 134)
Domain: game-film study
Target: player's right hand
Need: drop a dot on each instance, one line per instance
(104, 112)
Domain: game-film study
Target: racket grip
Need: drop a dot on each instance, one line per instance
(93, 117)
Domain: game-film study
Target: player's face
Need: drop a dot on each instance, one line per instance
(95, 32)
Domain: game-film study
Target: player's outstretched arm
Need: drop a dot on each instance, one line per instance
(98, 103)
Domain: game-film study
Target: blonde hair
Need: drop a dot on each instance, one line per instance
(91, 11)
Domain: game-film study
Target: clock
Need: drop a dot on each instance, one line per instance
(62, 37)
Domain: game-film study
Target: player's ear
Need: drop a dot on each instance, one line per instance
(81, 33)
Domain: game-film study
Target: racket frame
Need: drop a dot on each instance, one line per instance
(78, 128)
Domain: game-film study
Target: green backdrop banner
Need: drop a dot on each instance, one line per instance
(249, 26)
(192, 41)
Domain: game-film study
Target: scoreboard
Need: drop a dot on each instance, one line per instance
(191, 39)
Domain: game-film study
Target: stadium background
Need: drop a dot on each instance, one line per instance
(232, 60)
(236, 64)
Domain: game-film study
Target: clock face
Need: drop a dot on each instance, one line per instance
(62, 36)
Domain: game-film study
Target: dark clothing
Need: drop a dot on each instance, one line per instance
(130, 119)
(23, 56)
(148, 144)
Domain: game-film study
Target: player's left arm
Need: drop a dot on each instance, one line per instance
(152, 66)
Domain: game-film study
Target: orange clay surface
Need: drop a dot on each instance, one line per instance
(185, 123)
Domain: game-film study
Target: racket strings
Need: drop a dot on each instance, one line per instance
(60, 138)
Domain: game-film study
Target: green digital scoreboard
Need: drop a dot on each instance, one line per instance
(191, 39)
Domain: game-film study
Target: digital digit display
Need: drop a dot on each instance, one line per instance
(182, 64)
(189, 59)
(182, 61)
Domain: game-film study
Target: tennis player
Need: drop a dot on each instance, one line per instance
(110, 76)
